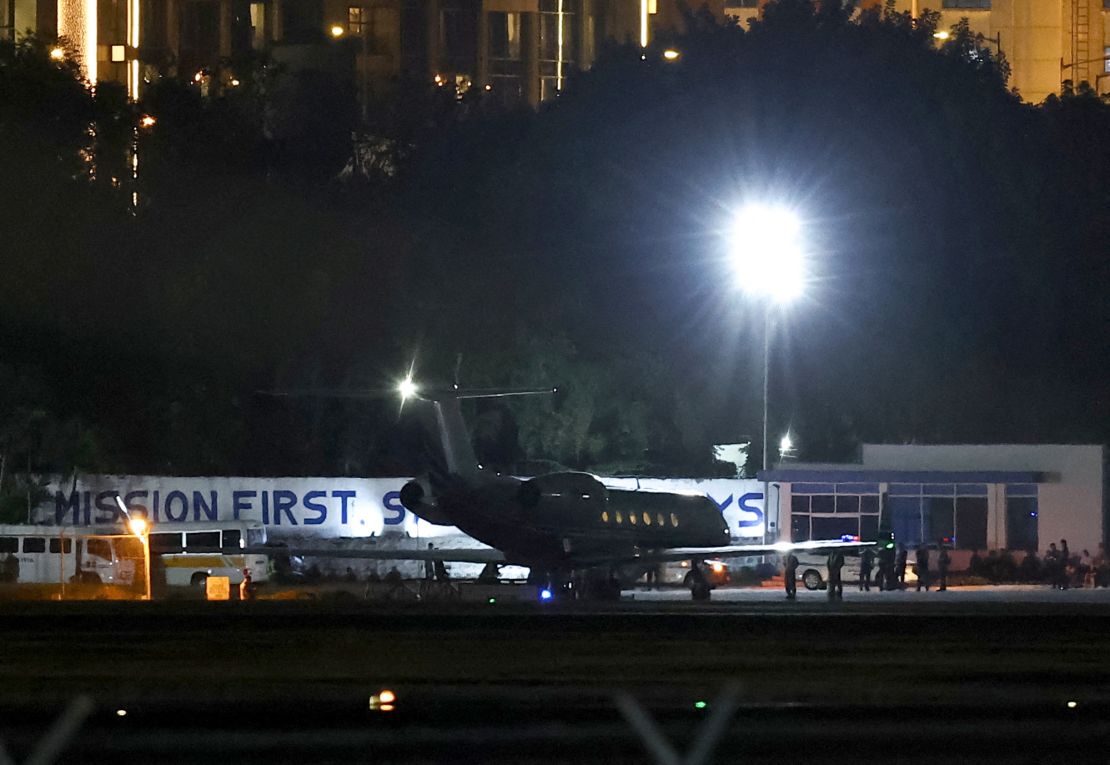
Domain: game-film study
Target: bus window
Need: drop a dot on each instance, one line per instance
(165, 542)
(232, 539)
(98, 548)
(202, 541)
(56, 545)
(34, 544)
(9, 544)
(256, 537)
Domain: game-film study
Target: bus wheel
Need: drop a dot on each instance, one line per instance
(198, 579)
(89, 577)
(812, 580)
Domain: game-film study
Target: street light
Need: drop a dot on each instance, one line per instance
(138, 526)
(768, 257)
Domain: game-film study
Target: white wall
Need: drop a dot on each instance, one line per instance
(326, 507)
(1070, 499)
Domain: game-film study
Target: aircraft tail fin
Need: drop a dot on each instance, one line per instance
(457, 451)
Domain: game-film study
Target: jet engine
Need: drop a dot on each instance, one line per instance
(561, 486)
(419, 503)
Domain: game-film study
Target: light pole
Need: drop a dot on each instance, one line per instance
(138, 526)
(769, 262)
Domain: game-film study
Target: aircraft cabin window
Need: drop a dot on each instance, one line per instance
(620, 518)
(632, 518)
(659, 519)
(674, 520)
(604, 516)
(647, 519)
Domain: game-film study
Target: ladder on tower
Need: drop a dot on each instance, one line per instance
(1081, 39)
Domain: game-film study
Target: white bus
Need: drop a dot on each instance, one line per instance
(62, 554)
(190, 553)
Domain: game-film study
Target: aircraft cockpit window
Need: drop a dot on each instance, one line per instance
(674, 520)
(647, 518)
(604, 516)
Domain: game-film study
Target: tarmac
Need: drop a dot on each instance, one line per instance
(1007, 674)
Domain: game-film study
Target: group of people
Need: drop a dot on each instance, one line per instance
(889, 567)
(1059, 567)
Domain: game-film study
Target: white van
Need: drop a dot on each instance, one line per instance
(60, 554)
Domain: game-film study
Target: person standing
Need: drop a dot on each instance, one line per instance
(1051, 564)
(886, 567)
(943, 560)
(866, 561)
(246, 587)
(1065, 565)
(922, 566)
(835, 563)
(900, 566)
(429, 565)
(975, 565)
(790, 575)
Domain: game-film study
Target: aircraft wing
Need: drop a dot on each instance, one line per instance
(458, 555)
(734, 551)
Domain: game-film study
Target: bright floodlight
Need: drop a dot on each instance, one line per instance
(137, 526)
(767, 252)
(786, 444)
(407, 388)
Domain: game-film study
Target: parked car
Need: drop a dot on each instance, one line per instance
(813, 573)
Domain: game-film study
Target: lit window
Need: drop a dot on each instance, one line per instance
(632, 518)
(674, 520)
(647, 518)
(620, 518)
(356, 19)
(659, 519)
(604, 516)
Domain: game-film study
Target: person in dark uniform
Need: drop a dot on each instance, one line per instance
(429, 566)
(790, 575)
(922, 565)
(885, 579)
(1063, 571)
(834, 563)
(943, 560)
(866, 561)
(900, 566)
(441, 571)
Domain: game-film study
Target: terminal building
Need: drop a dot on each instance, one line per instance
(520, 50)
(992, 497)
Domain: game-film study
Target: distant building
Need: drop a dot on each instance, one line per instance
(1006, 496)
(1045, 41)
(520, 49)
(516, 49)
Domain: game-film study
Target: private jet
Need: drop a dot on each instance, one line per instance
(573, 533)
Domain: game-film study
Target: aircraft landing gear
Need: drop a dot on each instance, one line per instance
(597, 584)
(699, 585)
